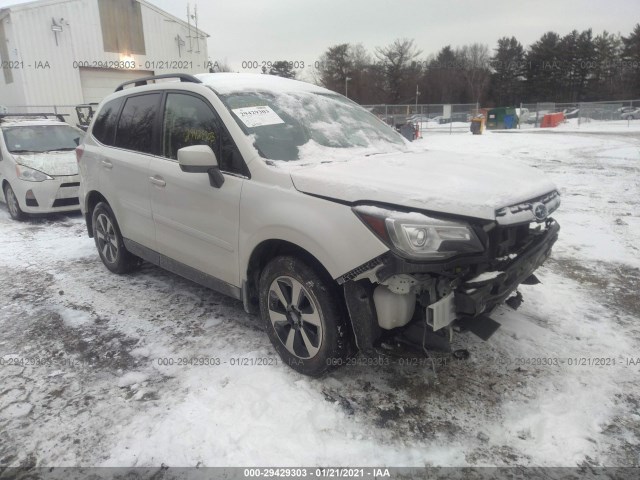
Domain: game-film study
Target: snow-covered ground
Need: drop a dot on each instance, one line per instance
(97, 369)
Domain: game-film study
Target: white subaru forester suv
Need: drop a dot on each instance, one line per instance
(323, 220)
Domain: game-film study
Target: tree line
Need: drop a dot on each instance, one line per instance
(578, 66)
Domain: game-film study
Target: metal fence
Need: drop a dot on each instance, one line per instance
(457, 117)
(617, 113)
(451, 117)
(437, 117)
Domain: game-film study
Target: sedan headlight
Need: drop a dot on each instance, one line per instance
(31, 175)
(418, 236)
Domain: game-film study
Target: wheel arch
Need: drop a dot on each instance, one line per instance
(260, 256)
(5, 182)
(91, 200)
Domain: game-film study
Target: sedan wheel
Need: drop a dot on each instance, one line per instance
(12, 204)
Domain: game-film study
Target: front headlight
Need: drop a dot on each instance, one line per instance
(418, 236)
(31, 175)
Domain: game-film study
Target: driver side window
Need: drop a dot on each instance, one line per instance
(189, 120)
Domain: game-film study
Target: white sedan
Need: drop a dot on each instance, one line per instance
(38, 167)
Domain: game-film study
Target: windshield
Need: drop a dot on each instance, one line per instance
(310, 126)
(41, 138)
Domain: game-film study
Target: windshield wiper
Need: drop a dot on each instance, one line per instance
(24, 151)
(63, 149)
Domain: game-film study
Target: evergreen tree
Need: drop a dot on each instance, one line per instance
(508, 72)
(282, 68)
(631, 62)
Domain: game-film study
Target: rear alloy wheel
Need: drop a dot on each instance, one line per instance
(109, 242)
(303, 316)
(12, 204)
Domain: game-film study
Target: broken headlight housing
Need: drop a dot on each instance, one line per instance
(420, 237)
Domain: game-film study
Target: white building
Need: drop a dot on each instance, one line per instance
(68, 52)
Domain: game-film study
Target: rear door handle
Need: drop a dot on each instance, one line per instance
(107, 164)
(157, 180)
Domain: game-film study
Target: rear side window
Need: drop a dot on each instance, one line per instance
(105, 126)
(136, 124)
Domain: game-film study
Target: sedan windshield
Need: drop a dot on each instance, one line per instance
(41, 138)
(310, 126)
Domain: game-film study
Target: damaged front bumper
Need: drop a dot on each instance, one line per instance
(457, 293)
(475, 298)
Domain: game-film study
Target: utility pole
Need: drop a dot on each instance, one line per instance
(346, 86)
(417, 95)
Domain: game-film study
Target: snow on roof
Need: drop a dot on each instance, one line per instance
(224, 83)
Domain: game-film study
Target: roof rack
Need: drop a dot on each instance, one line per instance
(184, 77)
(59, 116)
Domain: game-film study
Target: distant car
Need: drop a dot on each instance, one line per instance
(419, 119)
(571, 112)
(630, 113)
(460, 117)
(38, 167)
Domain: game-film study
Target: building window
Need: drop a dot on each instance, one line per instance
(121, 22)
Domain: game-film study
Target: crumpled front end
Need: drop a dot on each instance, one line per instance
(393, 292)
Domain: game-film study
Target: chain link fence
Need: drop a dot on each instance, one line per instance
(437, 117)
(604, 114)
(451, 118)
(457, 117)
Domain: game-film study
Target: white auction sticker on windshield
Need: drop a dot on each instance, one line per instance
(257, 116)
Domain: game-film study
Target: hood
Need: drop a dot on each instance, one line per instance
(446, 182)
(51, 163)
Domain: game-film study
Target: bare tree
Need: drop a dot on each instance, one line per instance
(397, 63)
(475, 62)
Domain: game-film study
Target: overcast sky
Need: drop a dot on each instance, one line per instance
(296, 30)
(299, 30)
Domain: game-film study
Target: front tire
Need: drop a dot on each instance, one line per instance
(12, 204)
(303, 316)
(109, 241)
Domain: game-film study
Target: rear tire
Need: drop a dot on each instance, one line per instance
(303, 315)
(109, 241)
(12, 204)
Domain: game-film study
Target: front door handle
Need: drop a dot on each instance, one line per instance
(107, 164)
(158, 181)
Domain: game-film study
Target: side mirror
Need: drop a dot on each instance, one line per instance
(201, 159)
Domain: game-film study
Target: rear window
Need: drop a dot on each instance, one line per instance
(135, 127)
(104, 128)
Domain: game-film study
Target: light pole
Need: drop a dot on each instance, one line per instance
(417, 94)
(346, 86)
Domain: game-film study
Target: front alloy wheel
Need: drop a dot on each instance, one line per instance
(304, 315)
(294, 317)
